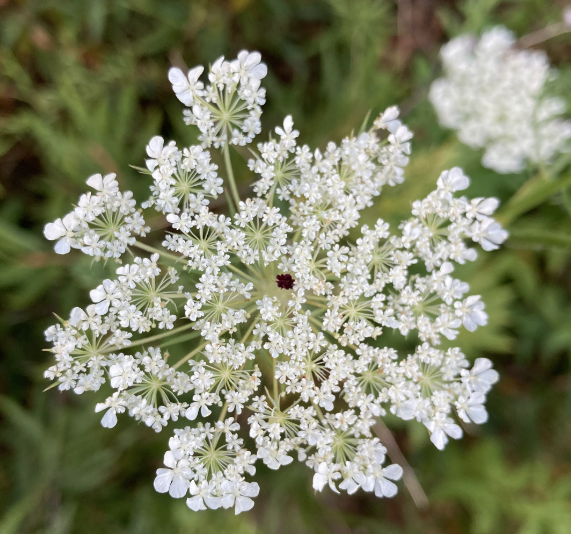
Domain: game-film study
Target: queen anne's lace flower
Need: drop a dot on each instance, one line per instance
(183, 180)
(287, 314)
(493, 94)
(229, 108)
(102, 225)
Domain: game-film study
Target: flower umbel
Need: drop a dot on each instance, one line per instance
(493, 94)
(284, 315)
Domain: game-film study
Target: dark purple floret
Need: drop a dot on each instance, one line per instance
(285, 281)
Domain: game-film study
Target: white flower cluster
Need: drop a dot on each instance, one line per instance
(102, 225)
(229, 108)
(186, 177)
(284, 316)
(493, 94)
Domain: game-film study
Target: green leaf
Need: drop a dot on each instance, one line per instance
(539, 239)
(531, 194)
(21, 419)
(365, 122)
(17, 513)
(141, 169)
(14, 239)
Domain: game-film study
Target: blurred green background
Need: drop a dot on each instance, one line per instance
(83, 87)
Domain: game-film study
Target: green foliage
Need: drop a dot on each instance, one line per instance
(530, 499)
(83, 88)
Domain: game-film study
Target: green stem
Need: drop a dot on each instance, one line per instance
(317, 302)
(221, 418)
(192, 353)
(536, 190)
(242, 273)
(151, 339)
(223, 412)
(154, 250)
(396, 455)
(539, 36)
(250, 328)
(180, 339)
(231, 208)
(230, 173)
(319, 412)
(320, 326)
(275, 381)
